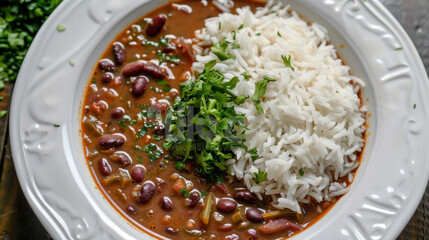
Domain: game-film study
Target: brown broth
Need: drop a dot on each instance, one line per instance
(151, 217)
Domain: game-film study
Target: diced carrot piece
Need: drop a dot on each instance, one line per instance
(179, 184)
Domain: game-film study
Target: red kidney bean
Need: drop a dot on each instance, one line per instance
(166, 204)
(186, 48)
(278, 225)
(122, 158)
(161, 106)
(226, 205)
(221, 188)
(117, 113)
(106, 78)
(140, 67)
(254, 215)
(159, 128)
(147, 192)
(104, 167)
(131, 210)
(225, 227)
(118, 53)
(171, 230)
(245, 196)
(193, 199)
(155, 26)
(137, 174)
(110, 141)
(138, 86)
(106, 65)
(252, 234)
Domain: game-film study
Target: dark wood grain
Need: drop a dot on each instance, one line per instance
(17, 220)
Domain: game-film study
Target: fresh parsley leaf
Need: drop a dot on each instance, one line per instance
(219, 49)
(220, 25)
(399, 48)
(286, 61)
(204, 194)
(163, 42)
(415, 105)
(235, 45)
(260, 89)
(234, 35)
(166, 88)
(245, 75)
(55, 125)
(258, 34)
(260, 176)
(185, 192)
(278, 34)
(240, 27)
(300, 173)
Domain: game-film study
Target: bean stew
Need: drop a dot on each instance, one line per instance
(133, 84)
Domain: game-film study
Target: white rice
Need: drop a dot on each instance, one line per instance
(312, 117)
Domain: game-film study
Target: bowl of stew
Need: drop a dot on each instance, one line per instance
(97, 172)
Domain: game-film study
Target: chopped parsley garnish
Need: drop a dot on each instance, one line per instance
(3, 113)
(139, 159)
(278, 34)
(204, 194)
(254, 153)
(220, 25)
(245, 75)
(234, 35)
(61, 28)
(399, 48)
(219, 49)
(185, 192)
(163, 41)
(94, 80)
(161, 83)
(163, 57)
(141, 132)
(166, 88)
(235, 45)
(260, 89)
(301, 173)
(260, 176)
(1, 98)
(91, 163)
(71, 62)
(286, 61)
(258, 34)
(240, 27)
(156, 89)
(150, 43)
(203, 126)
(56, 125)
(126, 119)
(415, 105)
(153, 151)
(137, 147)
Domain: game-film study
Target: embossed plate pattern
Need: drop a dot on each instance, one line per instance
(59, 187)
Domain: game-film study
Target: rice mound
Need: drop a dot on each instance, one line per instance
(313, 119)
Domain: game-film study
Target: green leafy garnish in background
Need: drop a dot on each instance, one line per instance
(19, 22)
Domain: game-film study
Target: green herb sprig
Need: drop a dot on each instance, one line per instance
(203, 126)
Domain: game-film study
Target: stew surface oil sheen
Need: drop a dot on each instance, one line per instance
(123, 131)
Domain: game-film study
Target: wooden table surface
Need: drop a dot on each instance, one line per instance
(17, 220)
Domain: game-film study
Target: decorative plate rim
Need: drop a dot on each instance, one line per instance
(47, 88)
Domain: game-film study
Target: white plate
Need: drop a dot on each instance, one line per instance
(59, 187)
